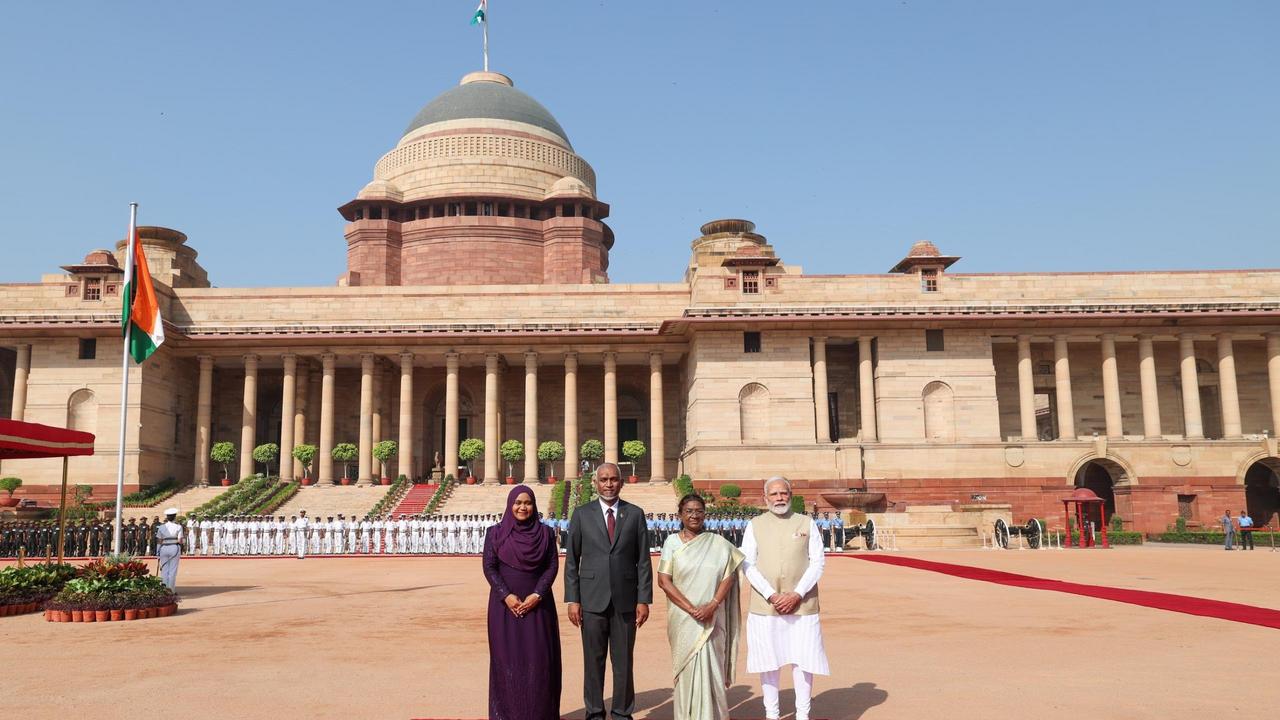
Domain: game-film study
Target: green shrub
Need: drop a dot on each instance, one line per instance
(1122, 537)
(797, 504)
(305, 454)
(557, 500)
(468, 451)
(683, 485)
(223, 453)
(266, 454)
(549, 452)
(345, 453)
(1115, 524)
(730, 491)
(633, 450)
(10, 484)
(1180, 525)
(592, 451)
(384, 451)
(513, 452)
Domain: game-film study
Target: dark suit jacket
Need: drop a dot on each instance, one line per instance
(597, 572)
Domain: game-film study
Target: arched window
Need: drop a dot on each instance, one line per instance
(939, 412)
(82, 411)
(753, 412)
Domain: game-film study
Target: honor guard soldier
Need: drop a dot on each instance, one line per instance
(169, 547)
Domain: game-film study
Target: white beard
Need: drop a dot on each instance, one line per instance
(780, 509)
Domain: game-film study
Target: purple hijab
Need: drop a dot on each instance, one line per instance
(521, 545)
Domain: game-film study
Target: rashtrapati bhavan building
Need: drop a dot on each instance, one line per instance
(1158, 390)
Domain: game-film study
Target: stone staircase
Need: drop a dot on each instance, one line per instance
(323, 502)
(922, 527)
(415, 501)
(185, 500)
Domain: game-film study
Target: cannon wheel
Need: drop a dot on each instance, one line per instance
(1032, 533)
(869, 534)
(1002, 533)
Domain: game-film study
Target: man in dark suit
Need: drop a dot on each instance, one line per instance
(608, 586)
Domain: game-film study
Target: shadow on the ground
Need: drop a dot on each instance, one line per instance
(328, 596)
(191, 593)
(848, 703)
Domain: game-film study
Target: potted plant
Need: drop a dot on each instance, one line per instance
(345, 453)
(306, 454)
(592, 451)
(633, 450)
(10, 484)
(266, 454)
(513, 452)
(468, 451)
(223, 453)
(549, 452)
(382, 452)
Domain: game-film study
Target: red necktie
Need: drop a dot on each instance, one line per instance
(610, 523)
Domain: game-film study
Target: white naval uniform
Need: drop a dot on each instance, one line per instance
(300, 536)
(365, 528)
(402, 535)
(379, 528)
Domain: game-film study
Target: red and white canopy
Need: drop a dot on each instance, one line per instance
(31, 440)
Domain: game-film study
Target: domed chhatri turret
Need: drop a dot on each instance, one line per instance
(483, 188)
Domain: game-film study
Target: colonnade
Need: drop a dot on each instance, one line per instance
(1193, 422)
(294, 414)
(866, 390)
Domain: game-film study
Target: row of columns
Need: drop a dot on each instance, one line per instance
(1151, 426)
(866, 391)
(293, 415)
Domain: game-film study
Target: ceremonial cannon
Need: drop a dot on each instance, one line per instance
(867, 531)
(1033, 531)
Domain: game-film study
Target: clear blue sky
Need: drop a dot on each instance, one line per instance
(1024, 136)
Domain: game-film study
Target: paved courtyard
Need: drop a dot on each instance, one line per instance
(404, 638)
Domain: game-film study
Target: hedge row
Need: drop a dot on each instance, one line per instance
(278, 496)
(1211, 538)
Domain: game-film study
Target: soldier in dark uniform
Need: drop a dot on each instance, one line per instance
(130, 537)
(95, 538)
(144, 537)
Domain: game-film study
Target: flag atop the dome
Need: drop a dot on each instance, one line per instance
(141, 309)
(480, 9)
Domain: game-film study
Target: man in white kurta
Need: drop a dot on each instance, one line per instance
(783, 557)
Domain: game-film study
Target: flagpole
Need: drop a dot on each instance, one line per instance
(486, 37)
(130, 291)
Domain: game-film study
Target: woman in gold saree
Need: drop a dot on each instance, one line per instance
(699, 574)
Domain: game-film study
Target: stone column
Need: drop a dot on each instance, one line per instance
(1026, 390)
(379, 388)
(611, 407)
(324, 475)
(491, 439)
(302, 384)
(249, 415)
(451, 439)
(531, 417)
(21, 373)
(1193, 423)
(1150, 389)
(571, 458)
(404, 460)
(657, 422)
(1062, 387)
(204, 419)
(866, 391)
(821, 415)
(365, 461)
(1273, 379)
(1227, 387)
(1111, 388)
(287, 410)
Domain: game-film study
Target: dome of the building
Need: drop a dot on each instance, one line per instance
(924, 248)
(487, 95)
(570, 186)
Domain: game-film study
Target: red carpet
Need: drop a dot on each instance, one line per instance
(1234, 612)
(415, 501)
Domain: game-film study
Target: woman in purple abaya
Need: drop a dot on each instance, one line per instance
(520, 563)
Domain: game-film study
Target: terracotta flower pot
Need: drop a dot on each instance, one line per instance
(633, 479)
(346, 481)
(385, 481)
(226, 482)
(169, 610)
(511, 480)
(117, 615)
(88, 616)
(10, 501)
(62, 616)
(308, 481)
(552, 480)
(471, 479)
(4, 610)
(131, 614)
(102, 615)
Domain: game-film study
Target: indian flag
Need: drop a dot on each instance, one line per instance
(141, 315)
(479, 16)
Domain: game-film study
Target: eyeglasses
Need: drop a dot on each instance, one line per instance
(695, 513)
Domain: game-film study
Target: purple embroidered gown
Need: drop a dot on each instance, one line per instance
(524, 653)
